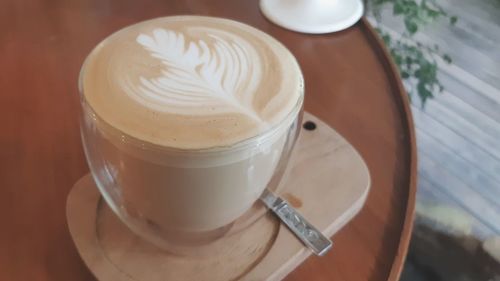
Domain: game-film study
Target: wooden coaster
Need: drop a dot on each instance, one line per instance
(326, 180)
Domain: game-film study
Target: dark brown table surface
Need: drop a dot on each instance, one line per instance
(350, 83)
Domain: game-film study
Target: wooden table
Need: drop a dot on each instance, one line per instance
(350, 83)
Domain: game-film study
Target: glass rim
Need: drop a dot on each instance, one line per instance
(244, 143)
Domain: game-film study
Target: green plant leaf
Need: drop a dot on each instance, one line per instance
(447, 58)
(398, 8)
(411, 26)
(423, 92)
(398, 59)
(387, 39)
(415, 60)
(453, 20)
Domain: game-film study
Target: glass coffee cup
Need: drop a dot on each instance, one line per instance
(176, 188)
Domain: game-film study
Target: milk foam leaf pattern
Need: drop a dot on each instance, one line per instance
(220, 73)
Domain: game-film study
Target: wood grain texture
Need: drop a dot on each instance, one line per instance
(456, 165)
(337, 182)
(350, 84)
(487, 105)
(431, 197)
(457, 132)
(456, 189)
(480, 157)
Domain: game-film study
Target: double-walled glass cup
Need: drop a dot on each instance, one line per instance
(170, 196)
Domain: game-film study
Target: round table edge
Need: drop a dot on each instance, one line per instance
(395, 81)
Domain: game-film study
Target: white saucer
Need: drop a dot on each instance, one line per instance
(313, 16)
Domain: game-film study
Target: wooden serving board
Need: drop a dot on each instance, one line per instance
(326, 180)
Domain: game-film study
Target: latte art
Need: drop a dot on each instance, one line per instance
(186, 120)
(199, 78)
(191, 82)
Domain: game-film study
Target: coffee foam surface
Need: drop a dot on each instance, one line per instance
(191, 82)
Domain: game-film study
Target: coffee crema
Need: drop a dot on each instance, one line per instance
(192, 82)
(186, 120)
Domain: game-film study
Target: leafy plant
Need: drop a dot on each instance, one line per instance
(416, 61)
